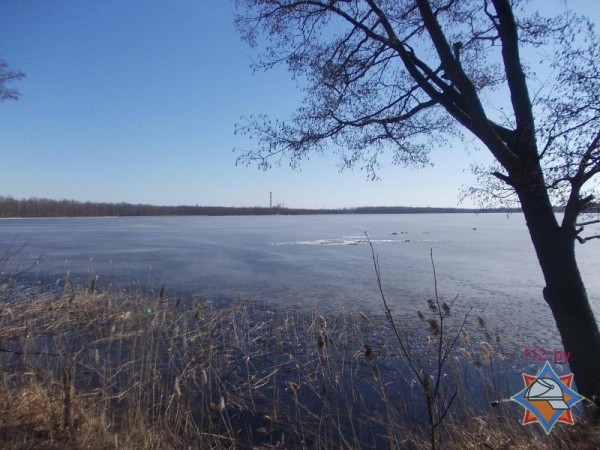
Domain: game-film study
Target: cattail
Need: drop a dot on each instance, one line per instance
(368, 350)
(486, 346)
(293, 388)
(446, 308)
(433, 327)
(320, 340)
(375, 372)
(487, 352)
(93, 285)
(420, 315)
(322, 322)
(365, 318)
(481, 321)
(204, 377)
(162, 292)
(432, 305)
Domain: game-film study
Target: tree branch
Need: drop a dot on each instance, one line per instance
(590, 222)
(8, 75)
(371, 118)
(480, 125)
(504, 178)
(575, 203)
(586, 239)
(515, 77)
(585, 160)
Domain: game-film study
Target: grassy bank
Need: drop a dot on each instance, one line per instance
(115, 369)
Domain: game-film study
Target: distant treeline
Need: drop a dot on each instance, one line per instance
(40, 207)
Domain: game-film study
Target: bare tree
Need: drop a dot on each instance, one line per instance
(406, 75)
(8, 75)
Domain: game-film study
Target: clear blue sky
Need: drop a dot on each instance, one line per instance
(136, 101)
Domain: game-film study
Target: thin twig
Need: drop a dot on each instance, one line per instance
(403, 347)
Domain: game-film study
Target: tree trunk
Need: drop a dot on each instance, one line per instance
(564, 292)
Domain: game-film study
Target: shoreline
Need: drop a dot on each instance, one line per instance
(344, 213)
(46, 208)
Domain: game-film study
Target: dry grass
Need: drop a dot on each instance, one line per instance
(123, 370)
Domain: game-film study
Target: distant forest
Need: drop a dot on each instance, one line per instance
(40, 207)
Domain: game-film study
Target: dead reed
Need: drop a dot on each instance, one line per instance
(117, 369)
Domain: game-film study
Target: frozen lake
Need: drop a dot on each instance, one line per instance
(315, 263)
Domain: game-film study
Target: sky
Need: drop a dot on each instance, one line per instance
(136, 101)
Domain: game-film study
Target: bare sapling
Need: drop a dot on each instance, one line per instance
(438, 397)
